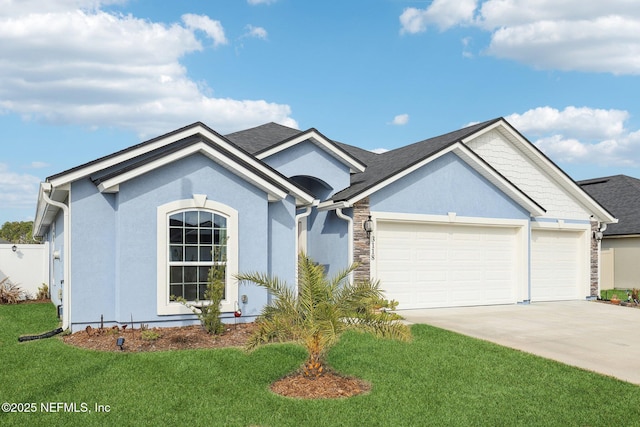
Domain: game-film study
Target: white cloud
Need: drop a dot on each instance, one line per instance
(118, 71)
(212, 28)
(17, 190)
(567, 35)
(257, 32)
(254, 2)
(581, 135)
(400, 120)
(441, 13)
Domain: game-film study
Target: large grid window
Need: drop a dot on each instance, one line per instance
(197, 241)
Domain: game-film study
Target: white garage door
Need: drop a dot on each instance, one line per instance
(556, 265)
(424, 265)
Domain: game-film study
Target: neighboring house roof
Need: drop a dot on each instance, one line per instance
(620, 194)
(2, 241)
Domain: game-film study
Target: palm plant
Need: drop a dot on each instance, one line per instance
(320, 312)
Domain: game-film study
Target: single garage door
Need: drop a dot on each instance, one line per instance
(556, 265)
(424, 265)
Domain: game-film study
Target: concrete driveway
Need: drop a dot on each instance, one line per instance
(590, 335)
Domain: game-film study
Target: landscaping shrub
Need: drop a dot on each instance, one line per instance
(10, 293)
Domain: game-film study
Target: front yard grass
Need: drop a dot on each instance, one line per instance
(441, 378)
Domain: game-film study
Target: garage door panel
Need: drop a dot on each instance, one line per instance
(450, 265)
(555, 265)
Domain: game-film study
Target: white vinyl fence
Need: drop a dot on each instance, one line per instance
(27, 267)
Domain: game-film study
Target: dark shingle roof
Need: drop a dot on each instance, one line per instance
(261, 137)
(620, 195)
(386, 165)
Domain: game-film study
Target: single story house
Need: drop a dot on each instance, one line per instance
(474, 217)
(620, 246)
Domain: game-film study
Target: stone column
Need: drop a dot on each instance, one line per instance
(361, 243)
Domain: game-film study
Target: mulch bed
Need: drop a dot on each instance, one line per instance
(187, 337)
(330, 385)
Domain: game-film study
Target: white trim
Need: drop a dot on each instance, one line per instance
(584, 251)
(206, 150)
(105, 163)
(468, 220)
(539, 159)
(472, 159)
(329, 205)
(166, 307)
(312, 135)
(520, 225)
(560, 225)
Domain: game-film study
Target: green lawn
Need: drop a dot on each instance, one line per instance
(440, 379)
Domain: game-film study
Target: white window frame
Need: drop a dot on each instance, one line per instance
(199, 202)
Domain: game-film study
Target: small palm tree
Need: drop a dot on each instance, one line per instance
(320, 312)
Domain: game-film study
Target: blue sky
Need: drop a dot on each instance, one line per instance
(80, 79)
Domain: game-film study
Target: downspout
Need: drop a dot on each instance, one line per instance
(306, 213)
(349, 220)
(66, 295)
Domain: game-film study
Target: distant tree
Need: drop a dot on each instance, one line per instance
(18, 232)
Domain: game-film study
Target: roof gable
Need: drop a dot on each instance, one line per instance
(110, 171)
(471, 159)
(386, 165)
(151, 152)
(527, 167)
(319, 140)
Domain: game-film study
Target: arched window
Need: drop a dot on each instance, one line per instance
(194, 235)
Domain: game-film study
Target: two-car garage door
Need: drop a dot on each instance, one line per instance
(425, 265)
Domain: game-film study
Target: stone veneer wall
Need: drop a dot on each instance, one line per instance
(361, 243)
(595, 255)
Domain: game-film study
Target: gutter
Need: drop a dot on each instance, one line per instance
(66, 294)
(349, 220)
(306, 213)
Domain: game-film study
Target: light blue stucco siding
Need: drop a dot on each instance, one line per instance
(93, 243)
(447, 184)
(134, 245)
(327, 241)
(282, 241)
(307, 159)
(327, 235)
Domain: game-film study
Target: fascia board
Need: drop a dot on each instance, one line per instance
(472, 159)
(322, 142)
(547, 165)
(169, 139)
(108, 162)
(330, 205)
(274, 192)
